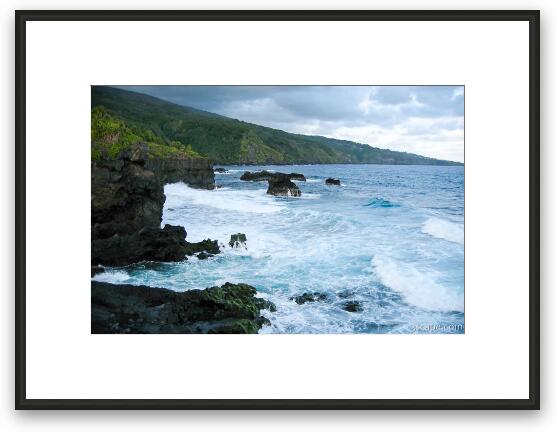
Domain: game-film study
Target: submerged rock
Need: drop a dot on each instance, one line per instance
(230, 308)
(352, 306)
(281, 185)
(203, 255)
(267, 175)
(220, 170)
(332, 182)
(237, 240)
(309, 297)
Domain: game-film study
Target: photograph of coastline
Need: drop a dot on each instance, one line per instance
(277, 209)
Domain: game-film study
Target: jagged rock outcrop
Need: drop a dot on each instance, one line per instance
(237, 240)
(281, 185)
(148, 244)
(256, 176)
(309, 297)
(196, 172)
(125, 196)
(231, 308)
(127, 200)
(208, 246)
(332, 182)
(267, 175)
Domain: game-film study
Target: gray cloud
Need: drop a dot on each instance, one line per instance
(427, 120)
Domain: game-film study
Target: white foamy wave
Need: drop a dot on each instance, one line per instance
(417, 288)
(113, 276)
(444, 229)
(256, 201)
(309, 195)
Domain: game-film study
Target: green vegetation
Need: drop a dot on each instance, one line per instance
(221, 139)
(110, 136)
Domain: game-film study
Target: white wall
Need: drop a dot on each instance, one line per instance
(279, 421)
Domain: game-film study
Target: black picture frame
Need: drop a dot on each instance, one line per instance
(531, 16)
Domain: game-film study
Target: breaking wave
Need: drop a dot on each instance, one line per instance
(417, 288)
(245, 201)
(380, 202)
(444, 229)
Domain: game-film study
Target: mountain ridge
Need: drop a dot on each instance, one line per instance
(228, 141)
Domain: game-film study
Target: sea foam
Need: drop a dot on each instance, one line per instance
(444, 229)
(247, 201)
(417, 287)
(113, 276)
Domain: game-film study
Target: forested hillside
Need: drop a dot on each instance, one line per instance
(222, 139)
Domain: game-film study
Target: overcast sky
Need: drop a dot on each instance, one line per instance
(427, 120)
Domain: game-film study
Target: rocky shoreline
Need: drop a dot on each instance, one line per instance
(127, 199)
(230, 308)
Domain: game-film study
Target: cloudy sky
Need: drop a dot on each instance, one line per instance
(427, 120)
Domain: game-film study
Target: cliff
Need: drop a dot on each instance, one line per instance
(195, 171)
(127, 200)
(125, 196)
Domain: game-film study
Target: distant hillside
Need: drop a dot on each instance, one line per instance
(228, 141)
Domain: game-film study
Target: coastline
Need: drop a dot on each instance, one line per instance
(127, 196)
(222, 212)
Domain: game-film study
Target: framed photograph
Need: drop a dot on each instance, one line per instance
(277, 210)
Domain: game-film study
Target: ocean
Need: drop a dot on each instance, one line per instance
(389, 242)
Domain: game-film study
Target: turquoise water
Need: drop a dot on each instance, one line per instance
(390, 238)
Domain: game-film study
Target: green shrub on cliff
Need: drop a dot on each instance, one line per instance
(110, 136)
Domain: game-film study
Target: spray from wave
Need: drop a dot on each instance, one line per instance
(113, 276)
(417, 288)
(444, 229)
(247, 201)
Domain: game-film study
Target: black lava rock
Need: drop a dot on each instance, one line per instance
(309, 297)
(95, 270)
(281, 185)
(237, 240)
(352, 306)
(203, 255)
(207, 245)
(267, 175)
(230, 308)
(148, 244)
